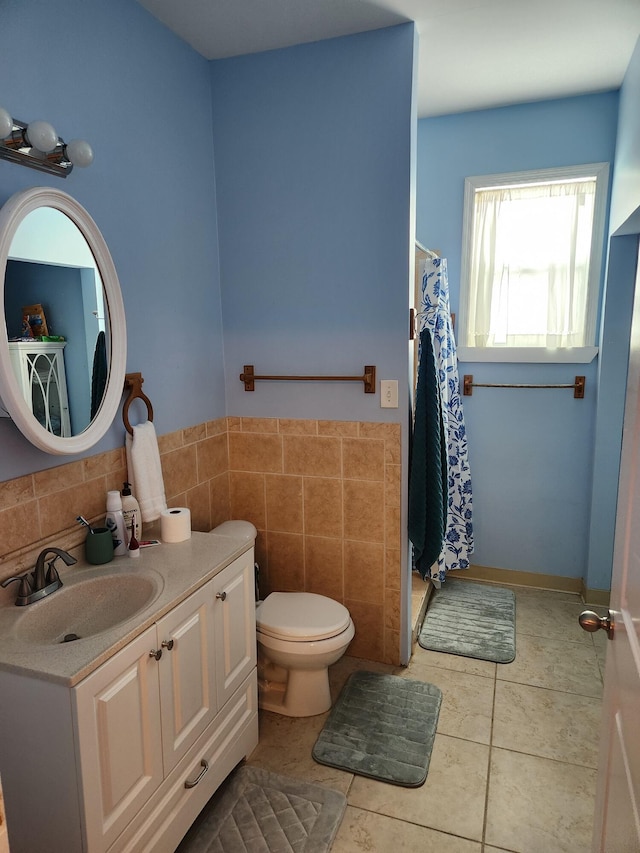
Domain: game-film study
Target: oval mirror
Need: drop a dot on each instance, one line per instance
(62, 323)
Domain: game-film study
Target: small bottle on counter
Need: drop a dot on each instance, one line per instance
(114, 520)
(134, 547)
(131, 511)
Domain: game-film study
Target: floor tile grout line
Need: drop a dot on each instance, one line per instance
(543, 757)
(549, 689)
(419, 825)
(489, 754)
(555, 689)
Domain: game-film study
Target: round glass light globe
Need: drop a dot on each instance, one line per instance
(42, 135)
(6, 124)
(79, 152)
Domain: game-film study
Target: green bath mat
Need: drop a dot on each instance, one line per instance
(261, 812)
(383, 727)
(472, 620)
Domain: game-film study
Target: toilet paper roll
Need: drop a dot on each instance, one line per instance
(175, 524)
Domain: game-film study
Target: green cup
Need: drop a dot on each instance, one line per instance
(98, 546)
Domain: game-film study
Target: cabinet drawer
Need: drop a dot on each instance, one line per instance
(230, 737)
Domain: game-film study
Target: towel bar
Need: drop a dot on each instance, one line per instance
(369, 378)
(133, 383)
(469, 385)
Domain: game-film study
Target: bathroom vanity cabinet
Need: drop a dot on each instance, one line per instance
(127, 758)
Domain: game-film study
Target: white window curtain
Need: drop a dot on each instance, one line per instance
(529, 282)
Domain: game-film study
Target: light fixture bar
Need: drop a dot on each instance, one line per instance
(23, 156)
(17, 147)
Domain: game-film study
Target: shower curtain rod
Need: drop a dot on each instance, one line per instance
(469, 385)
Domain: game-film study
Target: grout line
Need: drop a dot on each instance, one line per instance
(486, 793)
(554, 689)
(428, 827)
(544, 757)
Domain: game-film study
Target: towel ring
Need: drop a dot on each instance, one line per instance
(133, 382)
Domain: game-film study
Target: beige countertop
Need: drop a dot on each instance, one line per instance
(175, 569)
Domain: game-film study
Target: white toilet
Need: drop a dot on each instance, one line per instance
(300, 634)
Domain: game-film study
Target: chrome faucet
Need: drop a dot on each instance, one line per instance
(40, 583)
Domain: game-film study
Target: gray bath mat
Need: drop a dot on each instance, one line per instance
(472, 620)
(262, 812)
(383, 727)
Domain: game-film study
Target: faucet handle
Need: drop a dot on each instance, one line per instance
(52, 572)
(25, 587)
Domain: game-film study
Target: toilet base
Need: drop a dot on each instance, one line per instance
(305, 694)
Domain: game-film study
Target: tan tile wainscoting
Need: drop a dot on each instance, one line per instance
(324, 496)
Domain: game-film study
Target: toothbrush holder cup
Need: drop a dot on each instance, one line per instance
(98, 546)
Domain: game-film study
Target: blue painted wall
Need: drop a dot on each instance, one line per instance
(531, 451)
(314, 204)
(313, 170)
(625, 197)
(109, 72)
(616, 321)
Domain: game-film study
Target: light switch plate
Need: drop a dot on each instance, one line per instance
(389, 393)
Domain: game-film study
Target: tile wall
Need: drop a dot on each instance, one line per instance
(324, 496)
(40, 509)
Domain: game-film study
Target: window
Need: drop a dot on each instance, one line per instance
(532, 250)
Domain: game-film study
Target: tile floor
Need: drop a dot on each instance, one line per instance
(514, 761)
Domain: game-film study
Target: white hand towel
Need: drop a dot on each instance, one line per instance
(145, 471)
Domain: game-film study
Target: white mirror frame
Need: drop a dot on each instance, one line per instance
(11, 215)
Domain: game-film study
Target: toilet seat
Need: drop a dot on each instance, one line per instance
(301, 617)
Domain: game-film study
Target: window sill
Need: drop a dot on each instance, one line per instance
(531, 355)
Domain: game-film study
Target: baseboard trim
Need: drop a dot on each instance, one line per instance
(516, 578)
(597, 597)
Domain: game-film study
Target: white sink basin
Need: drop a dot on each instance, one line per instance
(86, 607)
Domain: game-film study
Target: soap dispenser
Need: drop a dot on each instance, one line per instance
(131, 511)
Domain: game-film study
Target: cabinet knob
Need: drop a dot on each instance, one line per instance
(155, 653)
(167, 644)
(221, 595)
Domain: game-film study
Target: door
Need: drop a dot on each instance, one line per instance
(187, 674)
(617, 828)
(118, 724)
(235, 625)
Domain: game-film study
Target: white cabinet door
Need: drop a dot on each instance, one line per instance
(235, 625)
(118, 724)
(187, 674)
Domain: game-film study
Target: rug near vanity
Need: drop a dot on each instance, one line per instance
(256, 811)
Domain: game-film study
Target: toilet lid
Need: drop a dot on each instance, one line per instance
(299, 616)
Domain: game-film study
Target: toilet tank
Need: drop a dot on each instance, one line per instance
(243, 530)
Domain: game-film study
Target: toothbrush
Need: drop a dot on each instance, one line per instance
(84, 521)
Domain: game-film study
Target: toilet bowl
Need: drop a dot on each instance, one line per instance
(300, 634)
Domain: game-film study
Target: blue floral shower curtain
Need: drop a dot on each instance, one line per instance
(434, 315)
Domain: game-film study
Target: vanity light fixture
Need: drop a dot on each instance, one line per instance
(38, 146)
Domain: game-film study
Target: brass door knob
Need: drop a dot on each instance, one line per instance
(591, 622)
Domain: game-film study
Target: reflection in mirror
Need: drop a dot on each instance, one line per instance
(63, 344)
(50, 264)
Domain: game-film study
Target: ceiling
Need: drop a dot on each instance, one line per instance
(474, 54)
